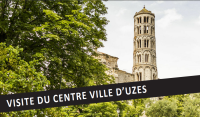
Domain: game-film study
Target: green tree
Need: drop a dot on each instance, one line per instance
(61, 36)
(19, 76)
(104, 109)
(161, 108)
(191, 105)
(179, 102)
(65, 32)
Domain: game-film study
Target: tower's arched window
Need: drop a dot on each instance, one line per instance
(140, 76)
(140, 43)
(154, 77)
(144, 19)
(147, 29)
(140, 19)
(146, 57)
(151, 20)
(139, 58)
(151, 30)
(137, 44)
(147, 43)
(140, 29)
(147, 19)
(144, 29)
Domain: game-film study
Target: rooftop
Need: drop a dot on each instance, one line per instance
(144, 11)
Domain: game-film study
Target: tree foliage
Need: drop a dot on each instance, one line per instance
(191, 105)
(161, 108)
(64, 32)
(17, 75)
(58, 38)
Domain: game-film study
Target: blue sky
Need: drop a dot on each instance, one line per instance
(177, 35)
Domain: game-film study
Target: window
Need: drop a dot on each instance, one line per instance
(144, 19)
(140, 19)
(147, 19)
(154, 77)
(140, 29)
(140, 43)
(147, 29)
(139, 58)
(146, 43)
(146, 57)
(140, 76)
(144, 29)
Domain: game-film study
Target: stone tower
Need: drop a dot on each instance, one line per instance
(144, 54)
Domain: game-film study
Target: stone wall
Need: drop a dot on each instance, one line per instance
(111, 62)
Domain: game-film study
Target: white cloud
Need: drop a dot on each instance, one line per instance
(121, 11)
(127, 29)
(170, 16)
(198, 21)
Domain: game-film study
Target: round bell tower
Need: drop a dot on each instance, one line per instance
(144, 54)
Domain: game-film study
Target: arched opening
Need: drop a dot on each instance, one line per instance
(151, 30)
(146, 57)
(140, 76)
(140, 29)
(140, 19)
(144, 29)
(147, 19)
(140, 43)
(144, 19)
(147, 43)
(137, 44)
(147, 29)
(154, 77)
